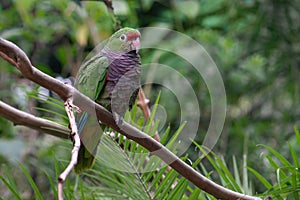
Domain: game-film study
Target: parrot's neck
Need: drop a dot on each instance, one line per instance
(115, 55)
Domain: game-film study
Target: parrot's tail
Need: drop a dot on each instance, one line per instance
(85, 160)
(90, 133)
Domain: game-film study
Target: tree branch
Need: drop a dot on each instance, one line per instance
(17, 57)
(22, 118)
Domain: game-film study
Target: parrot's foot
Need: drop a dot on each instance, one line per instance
(118, 119)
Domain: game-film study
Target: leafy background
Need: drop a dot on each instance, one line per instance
(255, 45)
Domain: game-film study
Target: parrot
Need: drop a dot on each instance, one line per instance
(111, 78)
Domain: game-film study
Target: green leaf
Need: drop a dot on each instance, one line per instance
(157, 177)
(37, 193)
(173, 139)
(8, 172)
(221, 168)
(10, 184)
(11, 188)
(47, 100)
(297, 134)
(236, 171)
(294, 156)
(52, 112)
(179, 190)
(153, 113)
(165, 136)
(165, 186)
(282, 159)
(195, 194)
(260, 178)
(53, 186)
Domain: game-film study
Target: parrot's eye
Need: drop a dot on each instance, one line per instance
(123, 37)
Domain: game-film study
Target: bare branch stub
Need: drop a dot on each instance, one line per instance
(143, 103)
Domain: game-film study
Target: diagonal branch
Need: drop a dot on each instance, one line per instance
(18, 58)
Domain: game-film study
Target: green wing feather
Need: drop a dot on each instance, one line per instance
(90, 81)
(91, 76)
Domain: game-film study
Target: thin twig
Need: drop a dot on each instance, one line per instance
(18, 58)
(69, 107)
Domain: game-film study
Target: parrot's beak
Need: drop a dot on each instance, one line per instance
(135, 45)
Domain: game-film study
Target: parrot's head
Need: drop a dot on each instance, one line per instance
(124, 40)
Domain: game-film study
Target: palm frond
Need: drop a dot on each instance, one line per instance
(50, 108)
(126, 170)
(287, 173)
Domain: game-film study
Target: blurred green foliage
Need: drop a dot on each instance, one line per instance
(255, 45)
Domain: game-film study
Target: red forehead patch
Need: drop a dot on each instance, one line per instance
(133, 35)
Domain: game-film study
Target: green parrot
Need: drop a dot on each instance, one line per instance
(112, 79)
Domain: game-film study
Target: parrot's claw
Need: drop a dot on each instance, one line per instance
(118, 119)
